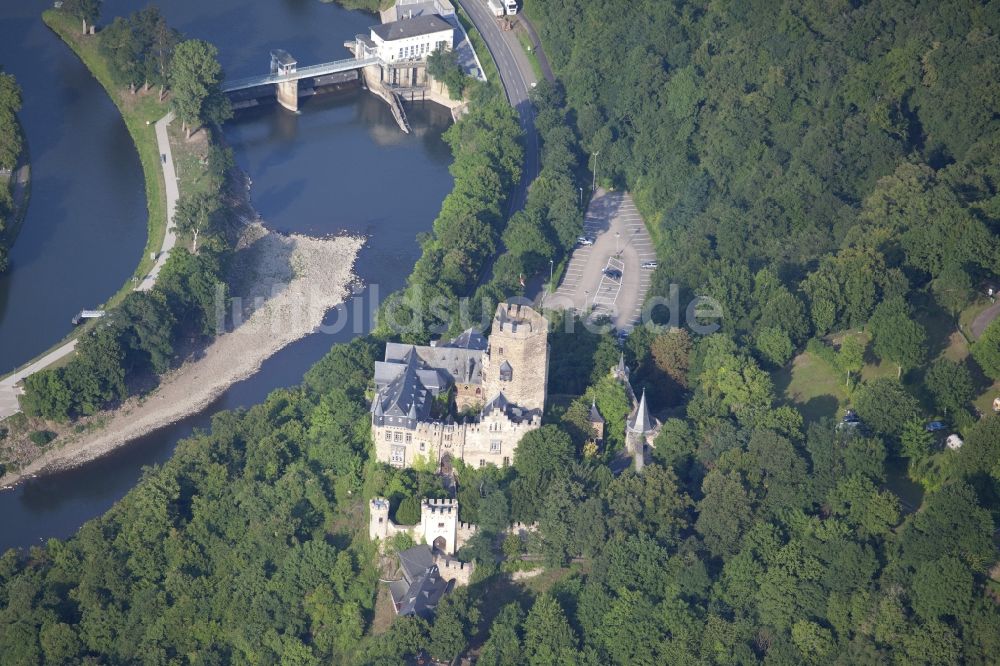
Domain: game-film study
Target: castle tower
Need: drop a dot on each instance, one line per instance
(517, 363)
(378, 519)
(439, 523)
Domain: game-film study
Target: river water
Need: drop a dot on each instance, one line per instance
(342, 164)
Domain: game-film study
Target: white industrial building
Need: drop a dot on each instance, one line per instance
(412, 38)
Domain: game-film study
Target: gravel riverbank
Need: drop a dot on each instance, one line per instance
(286, 285)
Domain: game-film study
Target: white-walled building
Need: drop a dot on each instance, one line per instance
(412, 38)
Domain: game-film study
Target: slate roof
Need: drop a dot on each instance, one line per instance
(415, 561)
(469, 339)
(459, 365)
(639, 421)
(595, 416)
(422, 586)
(413, 27)
(405, 400)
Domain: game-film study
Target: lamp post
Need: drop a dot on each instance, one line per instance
(581, 197)
(593, 188)
(617, 234)
(550, 276)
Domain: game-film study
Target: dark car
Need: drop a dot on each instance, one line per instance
(613, 273)
(851, 416)
(934, 426)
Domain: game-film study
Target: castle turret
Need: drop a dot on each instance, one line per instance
(638, 429)
(378, 523)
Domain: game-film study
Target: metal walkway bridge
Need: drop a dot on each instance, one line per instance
(304, 73)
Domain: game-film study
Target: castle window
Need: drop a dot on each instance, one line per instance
(397, 455)
(506, 461)
(388, 436)
(409, 438)
(440, 526)
(422, 446)
(506, 372)
(482, 463)
(398, 437)
(380, 520)
(494, 446)
(500, 351)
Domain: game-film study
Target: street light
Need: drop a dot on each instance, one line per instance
(617, 234)
(581, 197)
(550, 276)
(593, 188)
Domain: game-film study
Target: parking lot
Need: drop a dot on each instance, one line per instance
(621, 243)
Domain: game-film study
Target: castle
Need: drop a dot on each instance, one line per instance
(499, 383)
(438, 527)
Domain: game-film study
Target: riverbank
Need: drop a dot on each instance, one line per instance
(290, 281)
(139, 111)
(18, 181)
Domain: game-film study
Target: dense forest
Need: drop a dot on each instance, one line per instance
(816, 167)
(10, 151)
(844, 151)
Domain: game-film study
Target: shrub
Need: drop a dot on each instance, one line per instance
(42, 437)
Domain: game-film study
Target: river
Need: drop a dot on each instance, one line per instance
(342, 164)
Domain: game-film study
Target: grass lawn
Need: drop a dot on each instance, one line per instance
(529, 50)
(812, 387)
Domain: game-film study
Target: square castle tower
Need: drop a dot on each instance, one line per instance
(504, 379)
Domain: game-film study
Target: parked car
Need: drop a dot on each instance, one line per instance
(851, 416)
(934, 426)
(649, 264)
(584, 240)
(613, 273)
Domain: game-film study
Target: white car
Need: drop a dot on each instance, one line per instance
(584, 240)
(649, 264)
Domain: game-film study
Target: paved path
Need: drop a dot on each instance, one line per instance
(517, 78)
(984, 319)
(622, 243)
(9, 391)
(170, 180)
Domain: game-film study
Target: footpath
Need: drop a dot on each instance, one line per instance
(9, 385)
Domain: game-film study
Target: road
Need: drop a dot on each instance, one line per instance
(9, 391)
(517, 79)
(984, 319)
(622, 243)
(170, 180)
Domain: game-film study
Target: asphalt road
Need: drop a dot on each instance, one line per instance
(517, 79)
(621, 243)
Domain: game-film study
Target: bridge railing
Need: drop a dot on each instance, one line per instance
(303, 73)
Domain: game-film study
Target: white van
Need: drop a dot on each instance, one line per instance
(511, 7)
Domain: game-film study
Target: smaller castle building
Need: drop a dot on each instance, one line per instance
(439, 526)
